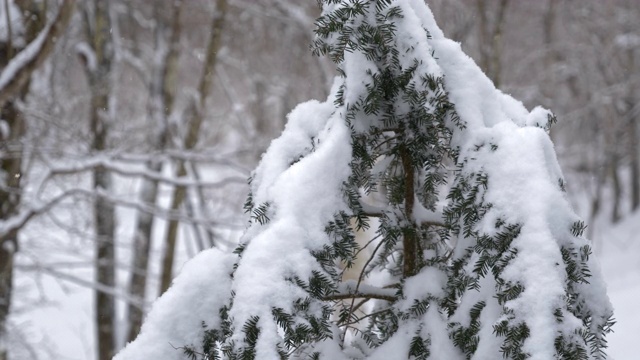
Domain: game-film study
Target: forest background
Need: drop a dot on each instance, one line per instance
(129, 129)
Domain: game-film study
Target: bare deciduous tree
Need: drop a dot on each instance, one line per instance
(14, 84)
(98, 59)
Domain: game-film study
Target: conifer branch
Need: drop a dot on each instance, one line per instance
(375, 313)
(360, 294)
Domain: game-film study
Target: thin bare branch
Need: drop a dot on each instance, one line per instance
(16, 74)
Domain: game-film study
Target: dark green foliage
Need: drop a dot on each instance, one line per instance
(302, 327)
(578, 228)
(419, 348)
(248, 203)
(190, 353)
(514, 337)
(576, 264)
(562, 185)
(466, 337)
(251, 331)
(551, 120)
(595, 340)
(417, 309)
(320, 285)
(509, 291)
(344, 246)
(466, 205)
(493, 252)
(382, 326)
(212, 341)
(570, 349)
(259, 214)
(299, 332)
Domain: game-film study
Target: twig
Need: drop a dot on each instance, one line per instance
(356, 295)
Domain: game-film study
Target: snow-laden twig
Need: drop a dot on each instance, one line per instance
(27, 213)
(353, 290)
(90, 284)
(159, 212)
(20, 68)
(108, 164)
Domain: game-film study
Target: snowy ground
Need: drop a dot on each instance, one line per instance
(620, 258)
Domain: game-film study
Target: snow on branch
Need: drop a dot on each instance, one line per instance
(101, 162)
(186, 309)
(350, 290)
(20, 68)
(16, 222)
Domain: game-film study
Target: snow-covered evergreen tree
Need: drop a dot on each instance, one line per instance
(477, 253)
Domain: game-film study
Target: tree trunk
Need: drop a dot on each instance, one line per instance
(7, 251)
(410, 244)
(483, 37)
(140, 257)
(634, 173)
(632, 121)
(490, 46)
(201, 203)
(104, 263)
(34, 16)
(10, 196)
(161, 93)
(99, 36)
(634, 165)
(204, 88)
(596, 202)
(496, 56)
(617, 190)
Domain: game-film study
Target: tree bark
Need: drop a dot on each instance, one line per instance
(98, 28)
(551, 58)
(617, 189)
(634, 173)
(10, 196)
(24, 69)
(496, 56)
(491, 40)
(11, 142)
(204, 88)
(409, 239)
(632, 123)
